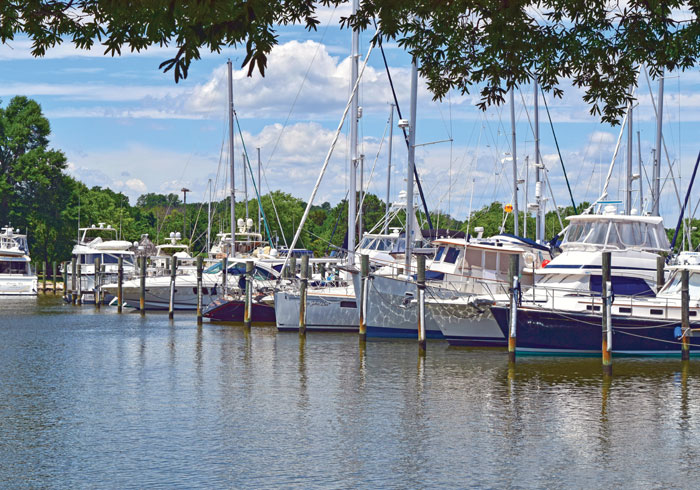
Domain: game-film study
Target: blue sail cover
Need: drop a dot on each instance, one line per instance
(624, 286)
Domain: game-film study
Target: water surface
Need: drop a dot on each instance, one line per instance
(94, 399)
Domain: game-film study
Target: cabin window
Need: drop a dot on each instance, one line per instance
(490, 262)
(473, 259)
(348, 304)
(692, 313)
(451, 255)
(624, 309)
(262, 274)
(109, 259)
(439, 253)
(593, 307)
(656, 312)
(13, 267)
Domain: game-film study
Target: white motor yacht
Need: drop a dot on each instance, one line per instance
(101, 242)
(16, 275)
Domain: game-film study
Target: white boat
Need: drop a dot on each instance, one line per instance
(16, 275)
(473, 274)
(100, 242)
(332, 306)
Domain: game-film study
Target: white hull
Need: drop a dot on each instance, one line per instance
(158, 292)
(392, 311)
(463, 323)
(332, 309)
(18, 285)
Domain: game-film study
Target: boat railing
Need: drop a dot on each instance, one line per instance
(559, 299)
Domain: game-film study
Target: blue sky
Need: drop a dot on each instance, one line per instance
(124, 124)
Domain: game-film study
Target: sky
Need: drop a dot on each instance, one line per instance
(126, 125)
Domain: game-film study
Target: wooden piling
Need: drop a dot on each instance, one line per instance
(103, 274)
(302, 293)
(43, 278)
(96, 285)
(173, 274)
(364, 274)
(292, 267)
(248, 311)
(142, 289)
(80, 286)
(514, 283)
(120, 282)
(72, 284)
(660, 279)
(200, 268)
(420, 283)
(685, 315)
(606, 294)
(53, 277)
(224, 275)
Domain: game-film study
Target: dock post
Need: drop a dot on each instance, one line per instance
(64, 272)
(72, 280)
(660, 279)
(322, 271)
(248, 311)
(292, 267)
(80, 285)
(54, 270)
(514, 284)
(43, 279)
(364, 271)
(224, 275)
(302, 292)
(420, 282)
(96, 285)
(606, 293)
(103, 274)
(685, 314)
(142, 289)
(173, 273)
(120, 282)
(200, 267)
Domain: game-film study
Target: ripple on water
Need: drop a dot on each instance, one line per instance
(97, 399)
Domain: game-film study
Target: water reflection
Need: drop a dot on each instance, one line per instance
(93, 398)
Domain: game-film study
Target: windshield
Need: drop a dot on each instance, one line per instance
(617, 234)
(673, 285)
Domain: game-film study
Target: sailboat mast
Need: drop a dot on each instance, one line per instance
(209, 220)
(515, 163)
(657, 159)
(259, 193)
(352, 203)
(245, 186)
(539, 212)
(230, 145)
(388, 172)
(411, 166)
(628, 177)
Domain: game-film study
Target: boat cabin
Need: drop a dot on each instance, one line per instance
(611, 232)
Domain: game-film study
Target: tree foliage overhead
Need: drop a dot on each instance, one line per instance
(461, 44)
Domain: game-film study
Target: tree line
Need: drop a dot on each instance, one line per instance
(40, 198)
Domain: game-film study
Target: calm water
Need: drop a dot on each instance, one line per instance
(101, 400)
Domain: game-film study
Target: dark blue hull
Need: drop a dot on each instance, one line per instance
(401, 333)
(567, 333)
(233, 311)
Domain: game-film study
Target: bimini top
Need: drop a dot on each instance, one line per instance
(615, 232)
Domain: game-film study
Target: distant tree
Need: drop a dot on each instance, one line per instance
(34, 191)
